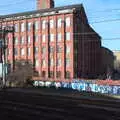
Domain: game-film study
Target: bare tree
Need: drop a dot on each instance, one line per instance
(22, 74)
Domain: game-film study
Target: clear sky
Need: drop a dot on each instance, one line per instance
(103, 15)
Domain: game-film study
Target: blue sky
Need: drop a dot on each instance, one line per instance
(97, 10)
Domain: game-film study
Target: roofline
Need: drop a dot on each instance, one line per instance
(42, 11)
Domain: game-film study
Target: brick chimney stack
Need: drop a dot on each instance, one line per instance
(44, 4)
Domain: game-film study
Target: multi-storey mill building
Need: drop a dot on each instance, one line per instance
(58, 41)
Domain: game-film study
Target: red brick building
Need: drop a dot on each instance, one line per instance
(58, 41)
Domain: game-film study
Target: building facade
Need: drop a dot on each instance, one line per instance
(58, 41)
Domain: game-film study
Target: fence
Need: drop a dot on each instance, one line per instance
(82, 85)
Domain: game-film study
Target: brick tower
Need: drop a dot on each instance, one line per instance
(44, 4)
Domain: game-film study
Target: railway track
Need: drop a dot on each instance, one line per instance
(19, 105)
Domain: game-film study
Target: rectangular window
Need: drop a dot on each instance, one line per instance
(36, 38)
(16, 40)
(51, 37)
(16, 28)
(51, 74)
(58, 74)
(29, 39)
(43, 63)
(67, 21)
(51, 23)
(59, 23)
(67, 74)
(43, 38)
(51, 62)
(15, 51)
(36, 25)
(22, 27)
(67, 49)
(22, 40)
(59, 62)
(67, 62)
(51, 49)
(29, 26)
(59, 49)
(36, 63)
(28, 51)
(43, 50)
(59, 37)
(43, 24)
(67, 36)
(36, 50)
(22, 51)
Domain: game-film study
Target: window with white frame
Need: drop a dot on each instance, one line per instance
(59, 62)
(51, 23)
(22, 51)
(67, 62)
(43, 50)
(51, 37)
(36, 50)
(43, 38)
(36, 38)
(67, 49)
(16, 40)
(59, 37)
(43, 63)
(67, 21)
(29, 39)
(67, 36)
(16, 27)
(36, 63)
(15, 51)
(59, 22)
(43, 24)
(29, 25)
(51, 62)
(22, 40)
(36, 25)
(22, 27)
(28, 51)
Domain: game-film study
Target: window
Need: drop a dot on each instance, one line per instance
(22, 40)
(16, 40)
(15, 51)
(51, 49)
(67, 74)
(22, 27)
(51, 62)
(67, 49)
(59, 49)
(67, 62)
(43, 73)
(29, 26)
(36, 38)
(58, 74)
(51, 23)
(29, 39)
(36, 63)
(43, 50)
(59, 61)
(59, 23)
(67, 21)
(51, 37)
(59, 37)
(16, 27)
(51, 74)
(28, 51)
(68, 36)
(43, 24)
(36, 25)
(36, 50)
(43, 38)
(43, 63)
(22, 51)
